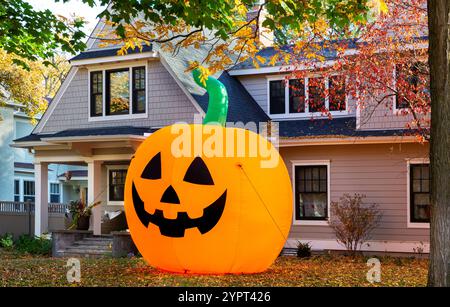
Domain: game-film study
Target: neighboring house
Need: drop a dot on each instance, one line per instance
(325, 158)
(17, 178)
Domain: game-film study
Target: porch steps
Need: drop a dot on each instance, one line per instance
(89, 247)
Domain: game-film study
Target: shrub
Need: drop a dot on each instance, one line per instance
(303, 249)
(6, 241)
(353, 221)
(34, 245)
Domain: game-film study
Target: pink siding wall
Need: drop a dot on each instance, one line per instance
(378, 171)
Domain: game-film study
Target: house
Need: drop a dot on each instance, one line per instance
(17, 181)
(326, 158)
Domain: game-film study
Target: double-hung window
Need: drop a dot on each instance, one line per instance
(307, 96)
(311, 192)
(419, 193)
(116, 184)
(118, 92)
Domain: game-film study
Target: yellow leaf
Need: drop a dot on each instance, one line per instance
(383, 7)
(273, 59)
(261, 59)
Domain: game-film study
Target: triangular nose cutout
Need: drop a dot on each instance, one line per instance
(170, 196)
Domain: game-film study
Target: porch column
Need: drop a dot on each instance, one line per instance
(40, 198)
(94, 194)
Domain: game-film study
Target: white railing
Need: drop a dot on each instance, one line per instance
(23, 207)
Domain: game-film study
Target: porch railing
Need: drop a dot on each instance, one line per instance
(24, 207)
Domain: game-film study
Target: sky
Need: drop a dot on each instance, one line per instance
(69, 8)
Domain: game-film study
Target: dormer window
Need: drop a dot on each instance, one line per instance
(118, 93)
(307, 96)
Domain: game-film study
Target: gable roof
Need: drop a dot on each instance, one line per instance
(241, 105)
(326, 49)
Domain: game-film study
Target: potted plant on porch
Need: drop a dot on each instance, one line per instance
(81, 214)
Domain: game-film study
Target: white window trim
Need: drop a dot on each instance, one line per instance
(306, 114)
(112, 168)
(311, 163)
(408, 194)
(103, 69)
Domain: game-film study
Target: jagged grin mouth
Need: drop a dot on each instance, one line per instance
(175, 227)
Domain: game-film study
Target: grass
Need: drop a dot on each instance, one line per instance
(24, 270)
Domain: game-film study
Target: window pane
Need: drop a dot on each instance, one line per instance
(96, 93)
(118, 99)
(277, 101)
(139, 101)
(313, 205)
(311, 192)
(117, 184)
(296, 96)
(54, 188)
(323, 185)
(16, 198)
(28, 187)
(98, 104)
(336, 88)
(420, 196)
(316, 94)
(16, 187)
(417, 170)
(139, 90)
(422, 207)
(416, 186)
(54, 198)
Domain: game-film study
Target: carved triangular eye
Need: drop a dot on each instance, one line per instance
(198, 173)
(153, 168)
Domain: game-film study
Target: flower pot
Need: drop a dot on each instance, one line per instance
(83, 223)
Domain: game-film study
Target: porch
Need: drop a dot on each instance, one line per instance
(106, 154)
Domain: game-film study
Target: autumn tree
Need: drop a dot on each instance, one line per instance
(22, 86)
(54, 72)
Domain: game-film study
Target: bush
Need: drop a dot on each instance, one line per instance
(6, 241)
(304, 249)
(34, 245)
(353, 221)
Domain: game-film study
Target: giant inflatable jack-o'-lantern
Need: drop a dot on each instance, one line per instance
(203, 213)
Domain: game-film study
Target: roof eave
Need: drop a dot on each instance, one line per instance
(115, 58)
(344, 140)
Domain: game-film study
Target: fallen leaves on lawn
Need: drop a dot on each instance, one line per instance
(336, 271)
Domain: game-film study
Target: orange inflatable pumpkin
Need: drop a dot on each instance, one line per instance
(203, 213)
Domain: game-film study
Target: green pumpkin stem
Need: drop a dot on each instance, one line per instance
(218, 99)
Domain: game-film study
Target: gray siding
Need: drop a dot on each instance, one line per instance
(375, 115)
(377, 171)
(167, 103)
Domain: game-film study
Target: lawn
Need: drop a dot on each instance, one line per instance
(22, 270)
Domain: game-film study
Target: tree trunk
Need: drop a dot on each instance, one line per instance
(439, 61)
